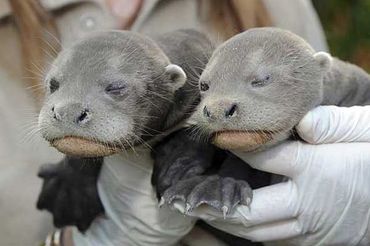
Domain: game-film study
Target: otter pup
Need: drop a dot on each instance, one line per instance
(102, 92)
(107, 93)
(256, 88)
(259, 84)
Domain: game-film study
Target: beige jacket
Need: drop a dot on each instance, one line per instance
(77, 18)
(22, 150)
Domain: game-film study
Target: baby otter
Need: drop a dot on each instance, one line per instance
(102, 94)
(259, 84)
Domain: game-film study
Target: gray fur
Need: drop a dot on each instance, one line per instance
(293, 79)
(146, 107)
(346, 85)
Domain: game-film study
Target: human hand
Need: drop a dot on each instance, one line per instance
(132, 215)
(327, 197)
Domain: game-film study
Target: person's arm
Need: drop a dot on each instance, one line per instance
(326, 198)
(300, 17)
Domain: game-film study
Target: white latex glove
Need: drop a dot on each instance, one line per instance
(326, 200)
(131, 208)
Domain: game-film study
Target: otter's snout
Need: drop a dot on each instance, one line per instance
(220, 110)
(71, 113)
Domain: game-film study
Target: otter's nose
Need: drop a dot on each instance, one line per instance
(220, 110)
(71, 113)
(231, 110)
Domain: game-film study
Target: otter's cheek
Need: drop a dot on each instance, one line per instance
(84, 148)
(246, 141)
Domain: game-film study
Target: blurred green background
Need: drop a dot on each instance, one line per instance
(347, 27)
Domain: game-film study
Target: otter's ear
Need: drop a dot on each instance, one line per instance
(177, 76)
(324, 60)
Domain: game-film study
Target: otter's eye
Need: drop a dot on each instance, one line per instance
(261, 82)
(204, 86)
(53, 85)
(115, 89)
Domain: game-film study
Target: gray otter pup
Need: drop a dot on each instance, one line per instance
(259, 84)
(102, 94)
(255, 89)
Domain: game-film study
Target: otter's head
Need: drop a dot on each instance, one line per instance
(257, 86)
(107, 93)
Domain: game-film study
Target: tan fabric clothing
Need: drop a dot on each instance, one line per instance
(21, 153)
(76, 18)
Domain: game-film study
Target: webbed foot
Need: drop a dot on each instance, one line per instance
(69, 192)
(221, 193)
(179, 157)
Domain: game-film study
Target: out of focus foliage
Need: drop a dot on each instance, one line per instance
(347, 27)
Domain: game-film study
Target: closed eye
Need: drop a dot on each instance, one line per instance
(53, 85)
(261, 82)
(115, 89)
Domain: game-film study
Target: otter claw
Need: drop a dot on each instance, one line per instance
(224, 211)
(161, 202)
(220, 193)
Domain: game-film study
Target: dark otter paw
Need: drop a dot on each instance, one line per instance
(179, 157)
(69, 192)
(221, 193)
(166, 176)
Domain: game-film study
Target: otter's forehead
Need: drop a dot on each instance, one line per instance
(257, 51)
(104, 51)
(269, 38)
(272, 43)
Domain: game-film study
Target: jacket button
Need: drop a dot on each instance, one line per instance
(88, 22)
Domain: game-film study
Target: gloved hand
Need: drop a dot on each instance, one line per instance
(132, 215)
(326, 200)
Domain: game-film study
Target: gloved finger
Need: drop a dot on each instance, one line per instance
(332, 124)
(263, 233)
(270, 204)
(281, 159)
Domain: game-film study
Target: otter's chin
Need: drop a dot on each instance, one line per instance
(241, 140)
(82, 147)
